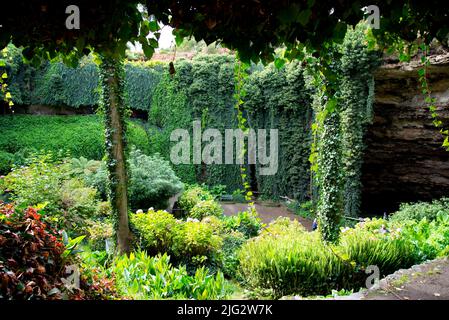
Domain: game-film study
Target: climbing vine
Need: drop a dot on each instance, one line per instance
(5, 93)
(342, 104)
(429, 100)
(240, 76)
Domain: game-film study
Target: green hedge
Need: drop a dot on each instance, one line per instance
(203, 89)
(55, 84)
(81, 136)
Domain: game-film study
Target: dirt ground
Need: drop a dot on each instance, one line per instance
(267, 212)
(429, 281)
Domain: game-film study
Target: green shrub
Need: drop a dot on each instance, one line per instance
(80, 136)
(421, 210)
(38, 183)
(6, 162)
(430, 239)
(238, 196)
(389, 251)
(246, 222)
(140, 276)
(99, 232)
(206, 208)
(304, 209)
(156, 230)
(191, 196)
(285, 259)
(75, 196)
(232, 242)
(152, 181)
(104, 209)
(46, 183)
(196, 242)
(292, 262)
(189, 242)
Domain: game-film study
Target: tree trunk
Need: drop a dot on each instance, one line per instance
(115, 130)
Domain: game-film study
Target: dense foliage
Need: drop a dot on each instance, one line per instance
(140, 276)
(80, 136)
(420, 210)
(56, 84)
(285, 259)
(46, 182)
(151, 184)
(33, 260)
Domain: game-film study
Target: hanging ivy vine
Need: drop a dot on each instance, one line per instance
(343, 108)
(429, 100)
(4, 91)
(240, 77)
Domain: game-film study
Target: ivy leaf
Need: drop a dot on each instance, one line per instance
(147, 49)
(153, 26)
(446, 142)
(279, 63)
(331, 105)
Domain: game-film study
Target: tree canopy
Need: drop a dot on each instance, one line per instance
(253, 27)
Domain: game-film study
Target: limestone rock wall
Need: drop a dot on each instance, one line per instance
(404, 160)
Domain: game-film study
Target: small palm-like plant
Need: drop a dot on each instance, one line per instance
(84, 166)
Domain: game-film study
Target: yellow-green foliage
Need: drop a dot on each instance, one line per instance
(98, 232)
(206, 208)
(193, 195)
(191, 241)
(288, 260)
(140, 276)
(156, 230)
(196, 239)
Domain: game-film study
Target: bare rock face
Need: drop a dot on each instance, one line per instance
(404, 160)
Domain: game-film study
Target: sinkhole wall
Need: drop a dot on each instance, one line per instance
(404, 160)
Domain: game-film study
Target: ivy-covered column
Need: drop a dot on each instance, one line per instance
(113, 104)
(329, 177)
(356, 98)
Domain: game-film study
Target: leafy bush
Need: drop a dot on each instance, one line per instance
(38, 183)
(33, 260)
(430, 239)
(285, 259)
(46, 183)
(238, 196)
(156, 230)
(78, 202)
(304, 209)
(196, 242)
(100, 233)
(193, 195)
(206, 208)
(81, 136)
(152, 181)
(232, 242)
(191, 242)
(388, 251)
(292, 262)
(246, 222)
(142, 277)
(421, 210)
(6, 162)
